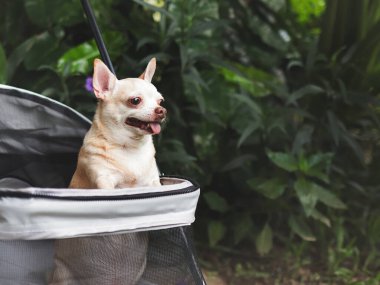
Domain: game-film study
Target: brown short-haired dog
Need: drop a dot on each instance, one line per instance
(117, 152)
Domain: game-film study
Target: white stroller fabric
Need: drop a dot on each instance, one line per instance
(40, 213)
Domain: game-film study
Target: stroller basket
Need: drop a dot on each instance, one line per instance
(39, 143)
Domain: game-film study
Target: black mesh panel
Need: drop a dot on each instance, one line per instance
(163, 257)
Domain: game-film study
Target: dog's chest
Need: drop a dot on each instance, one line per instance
(135, 168)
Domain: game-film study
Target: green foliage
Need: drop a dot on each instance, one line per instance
(45, 13)
(273, 107)
(264, 241)
(3, 66)
(272, 188)
(216, 202)
(78, 60)
(301, 228)
(216, 231)
(306, 10)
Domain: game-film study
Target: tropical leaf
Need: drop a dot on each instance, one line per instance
(242, 227)
(254, 107)
(318, 165)
(334, 127)
(304, 91)
(78, 60)
(283, 160)
(299, 227)
(320, 217)
(249, 130)
(303, 137)
(328, 198)
(216, 231)
(255, 84)
(264, 241)
(322, 160)
(30, 53)
(306, 194)
(216, 202)
(272, 188)
(237, 162)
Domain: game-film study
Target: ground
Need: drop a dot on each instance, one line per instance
(221, 268)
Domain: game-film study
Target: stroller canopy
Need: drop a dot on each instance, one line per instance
(39, 139)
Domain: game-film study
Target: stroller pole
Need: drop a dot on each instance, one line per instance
(98, 37)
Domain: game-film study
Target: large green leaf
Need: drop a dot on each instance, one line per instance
(78, 60)
(355, 146)
(318, 165)
(216, 231)
(242, 227)
(34, 47)
(264, 241)
(272, 188)
(249, 130)
(299, 226)
(216, 202)
(322, 160)
(320, 217)
(306, 194)
(3, 66)
(329, 198)
(254, 86)
(249, 102)
(303, 137)
(334, 126)
(283, 160)
(310, 193)
(37, 51)
(238, 162)
(302, 92)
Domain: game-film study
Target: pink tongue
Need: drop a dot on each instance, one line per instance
(156, 128)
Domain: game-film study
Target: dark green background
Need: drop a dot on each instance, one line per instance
(273, 108)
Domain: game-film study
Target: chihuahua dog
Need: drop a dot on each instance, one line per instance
(117, 152)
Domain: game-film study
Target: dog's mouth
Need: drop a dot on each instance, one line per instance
(153, 127)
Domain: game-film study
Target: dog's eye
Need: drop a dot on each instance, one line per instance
(160, 101)
(135, 101)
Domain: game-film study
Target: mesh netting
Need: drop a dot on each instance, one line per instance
(163, 257)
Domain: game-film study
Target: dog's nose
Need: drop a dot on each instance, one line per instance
(160, 111)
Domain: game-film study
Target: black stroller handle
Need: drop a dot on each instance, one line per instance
(97, 35)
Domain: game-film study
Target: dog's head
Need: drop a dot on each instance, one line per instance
(130, 106)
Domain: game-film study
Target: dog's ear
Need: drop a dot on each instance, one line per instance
(147, 75)
(103, 80)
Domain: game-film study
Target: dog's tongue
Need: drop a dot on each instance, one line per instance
(156, 128)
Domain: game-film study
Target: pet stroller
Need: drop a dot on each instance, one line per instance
(39, 143)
